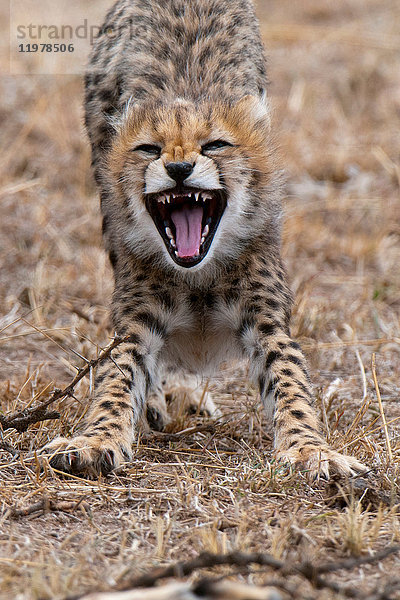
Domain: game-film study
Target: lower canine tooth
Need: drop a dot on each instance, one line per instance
(206, 230)
(169, 233)
(203, 239)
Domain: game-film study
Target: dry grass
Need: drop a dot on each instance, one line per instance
(336, 94)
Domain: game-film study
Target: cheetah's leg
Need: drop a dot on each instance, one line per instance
(121, 386)
(280, 370)
(156, 417)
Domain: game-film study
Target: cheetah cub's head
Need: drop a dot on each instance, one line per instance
(198, 180)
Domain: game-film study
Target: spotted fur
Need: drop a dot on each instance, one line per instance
(178, 75)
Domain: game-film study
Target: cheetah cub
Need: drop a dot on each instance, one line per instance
(178, 120)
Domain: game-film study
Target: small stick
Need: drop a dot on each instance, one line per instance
(311, 572)
(207, 560)
(42, 506)
(21, 420)
(378, 394)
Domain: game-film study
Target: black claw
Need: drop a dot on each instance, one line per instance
(320, 477)
(58, 462)
(72, 459)
(107, 462)
(357, 473)
(125, 453)
(194, 410)
(154, 419)
(55, 463)
(68, 463)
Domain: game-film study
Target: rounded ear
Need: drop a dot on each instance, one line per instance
(257, 107)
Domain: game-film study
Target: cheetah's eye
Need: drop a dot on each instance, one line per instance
(148, 149)
(216, 145)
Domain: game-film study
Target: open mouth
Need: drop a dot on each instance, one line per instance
(187, 220)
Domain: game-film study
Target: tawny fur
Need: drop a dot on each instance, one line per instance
(179, 74)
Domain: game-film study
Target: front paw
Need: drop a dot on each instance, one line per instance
(156, 417)
(321, 462)
(86, 455)
(183, 400)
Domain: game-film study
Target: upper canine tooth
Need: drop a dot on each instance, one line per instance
(168, 199)
(197, 194)
(161, 199)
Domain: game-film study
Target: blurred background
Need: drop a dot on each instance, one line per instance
(335, 91)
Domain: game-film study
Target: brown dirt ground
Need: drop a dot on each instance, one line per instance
(334, 68)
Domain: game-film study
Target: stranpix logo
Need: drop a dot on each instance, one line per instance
(54, 36)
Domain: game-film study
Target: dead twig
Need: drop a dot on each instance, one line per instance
(223, 590)
(43, 506)
(312, 573)
(239, 559)
(20, 420)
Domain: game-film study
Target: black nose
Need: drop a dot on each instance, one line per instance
(179, 171)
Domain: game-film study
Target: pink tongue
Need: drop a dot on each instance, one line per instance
(187, 223)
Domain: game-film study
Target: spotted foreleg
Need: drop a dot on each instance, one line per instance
(105, 440)
(280, 369)
(156, 416)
